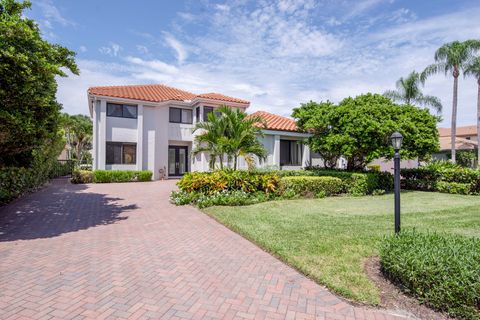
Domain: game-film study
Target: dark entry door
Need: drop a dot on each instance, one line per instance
(177, 160)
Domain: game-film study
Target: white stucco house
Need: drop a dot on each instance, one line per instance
(150, 127)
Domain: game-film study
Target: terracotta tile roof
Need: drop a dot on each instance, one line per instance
(275, 122)
(460, 144)
(156, 93)
(461, 131)
(218, 96)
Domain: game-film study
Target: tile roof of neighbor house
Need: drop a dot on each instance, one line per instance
(460, 144)
(461, 131)
(157, 93)
(276, 122)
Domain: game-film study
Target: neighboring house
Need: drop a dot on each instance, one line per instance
(465, 139)
(150, 127)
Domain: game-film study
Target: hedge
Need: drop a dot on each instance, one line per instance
(16, 181)
(356, 183)
(443, 177)
(441, 270)
(82, 176)
(312, 186)
(108, 176)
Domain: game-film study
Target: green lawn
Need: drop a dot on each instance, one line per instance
(329, 239)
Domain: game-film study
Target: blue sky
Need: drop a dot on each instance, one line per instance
(276, 54)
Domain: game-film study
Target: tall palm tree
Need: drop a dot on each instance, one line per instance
(409, 92)
(473, 69)
(451, 58)
(232, 133)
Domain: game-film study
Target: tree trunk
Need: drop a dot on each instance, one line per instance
(456, 73)
(478, 124)
(235, 157)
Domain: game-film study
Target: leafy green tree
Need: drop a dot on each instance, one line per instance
(29, 116)
(473, 69)
(359, 129)
(409, 92)
(230, 133)
(78, 135)
(451, 58)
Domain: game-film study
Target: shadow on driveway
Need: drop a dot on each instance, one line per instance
(59, 208)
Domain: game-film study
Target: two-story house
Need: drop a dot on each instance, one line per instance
(150, 127)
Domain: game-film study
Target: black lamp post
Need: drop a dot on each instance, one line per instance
(397, 144)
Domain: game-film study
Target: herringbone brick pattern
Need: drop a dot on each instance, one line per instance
(121, 251)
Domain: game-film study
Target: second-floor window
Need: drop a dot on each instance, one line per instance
(121, 110)
(178, 115)
(206, 112)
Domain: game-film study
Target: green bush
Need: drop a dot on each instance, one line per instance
(441, 270)
(220, 198)
(312, 186)
(82, 176)
(16, 181)
(442, 176)
(453, 187)
(356, 183)
(213, 182)
(108, 176)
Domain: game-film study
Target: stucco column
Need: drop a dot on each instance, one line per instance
(306, 161)
(140, 137)
(102, 133)
(95, 135)
(276, 150)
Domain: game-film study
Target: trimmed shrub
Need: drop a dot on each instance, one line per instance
(442, 176)
(82, 176)
(108, 176)
(441, 270)
(213, 182)
(453, 187)
(220, 198)
(356, 183)
(313, 186)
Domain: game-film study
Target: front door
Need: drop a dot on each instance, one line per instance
(177, 160)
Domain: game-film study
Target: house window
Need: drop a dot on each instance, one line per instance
(178, 115)
(206, 112)
(121, 153)
(197, 114)
(121, 110)
(290, 153)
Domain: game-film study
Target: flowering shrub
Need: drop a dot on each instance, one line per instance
(219, 198)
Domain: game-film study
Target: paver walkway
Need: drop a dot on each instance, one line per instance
(121, 251)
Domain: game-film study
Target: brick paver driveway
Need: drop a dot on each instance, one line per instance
(122, 251)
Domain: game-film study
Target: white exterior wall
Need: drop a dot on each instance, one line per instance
(153, 133)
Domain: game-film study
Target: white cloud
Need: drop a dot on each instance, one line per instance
(181, 52)
(82, 49)
(52, 14)
(111, 50)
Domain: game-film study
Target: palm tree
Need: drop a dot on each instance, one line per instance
(451, 58)
(409, 92)
(233, 134)
(78, 133)
(210, 140)
(473, 69)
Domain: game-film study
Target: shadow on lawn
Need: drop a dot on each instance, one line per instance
(57, 209)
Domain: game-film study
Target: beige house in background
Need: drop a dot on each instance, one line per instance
(466, 139)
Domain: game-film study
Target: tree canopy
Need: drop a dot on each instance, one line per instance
(359, 129)
(78, 135)
(29, 113)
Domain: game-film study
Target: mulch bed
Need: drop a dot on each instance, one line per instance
(392, 297)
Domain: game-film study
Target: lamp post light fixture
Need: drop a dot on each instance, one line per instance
(397, 139)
